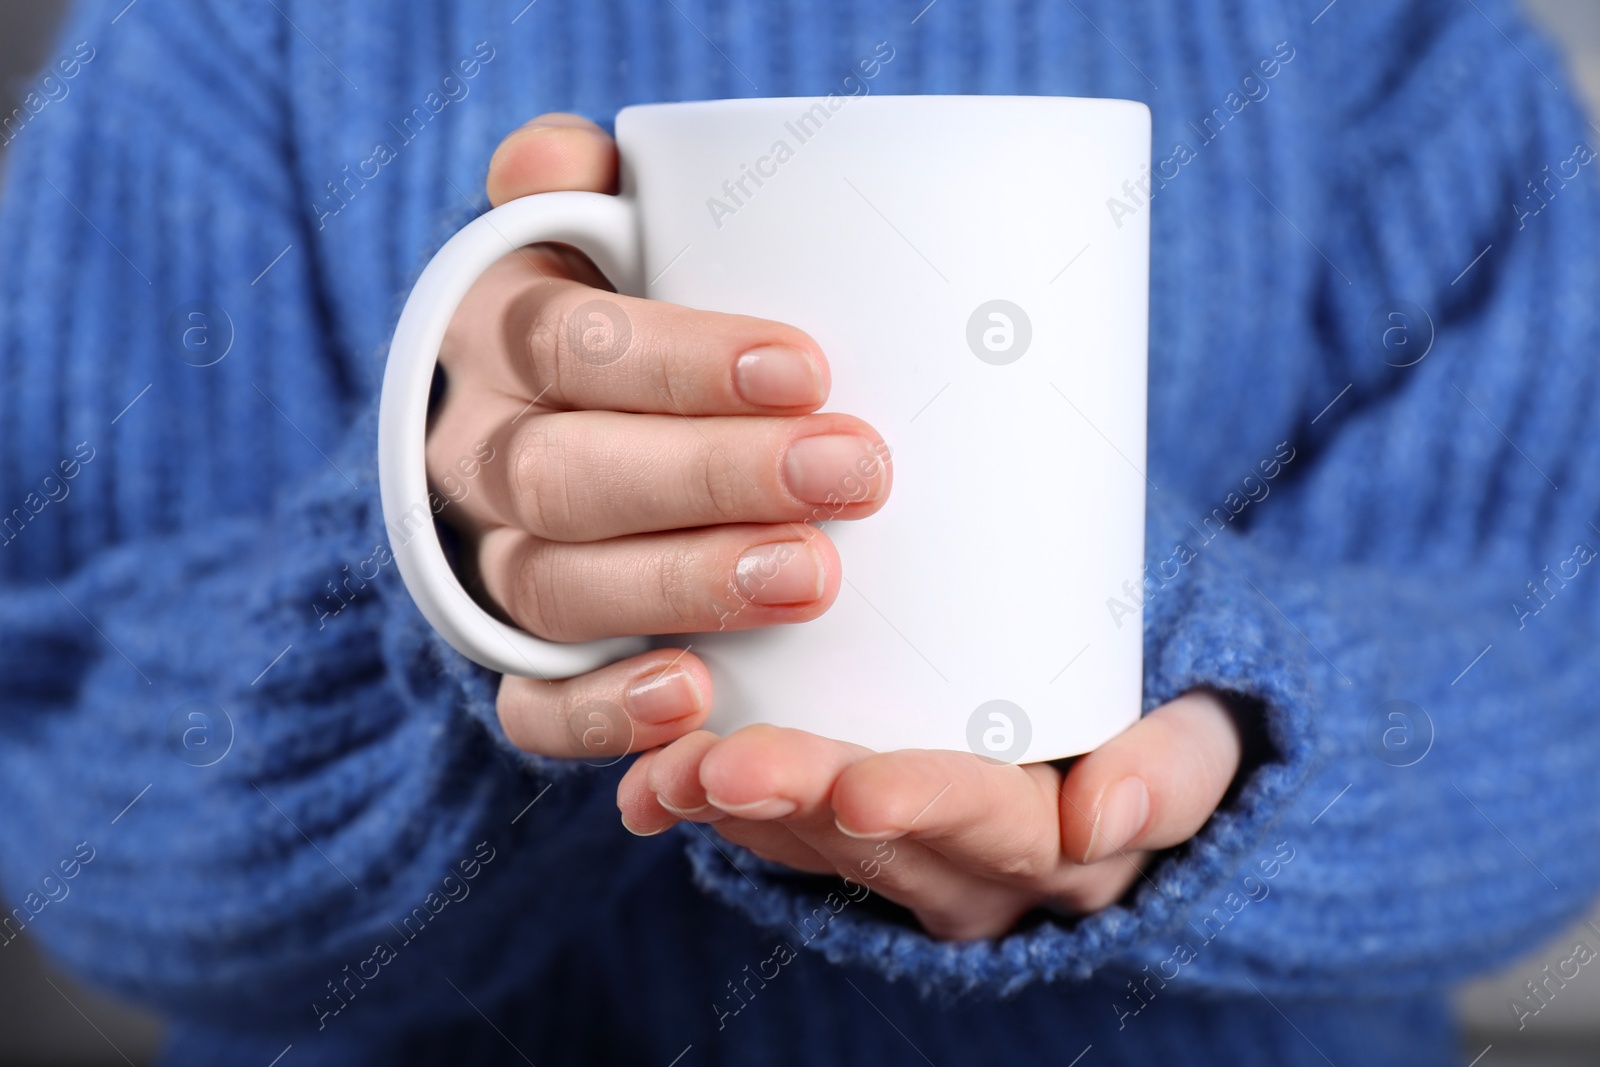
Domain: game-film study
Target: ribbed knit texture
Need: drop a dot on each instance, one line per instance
(190, 161)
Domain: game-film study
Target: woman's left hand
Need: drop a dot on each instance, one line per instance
(966, 844)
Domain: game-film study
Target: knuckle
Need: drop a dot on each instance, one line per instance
(664, 377)
(540, 479)
(549, 329)
(718, 484)
(679, 595)
(585, 327)
(1023, 865)
(545, 338)
(538, 601)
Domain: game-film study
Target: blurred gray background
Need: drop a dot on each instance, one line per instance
(46, 1018)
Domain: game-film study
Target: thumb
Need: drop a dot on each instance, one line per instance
(1155, 784)
(553, 152)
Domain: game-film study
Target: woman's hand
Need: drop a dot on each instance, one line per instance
(619, 466)
(968, 845)
(656, 484)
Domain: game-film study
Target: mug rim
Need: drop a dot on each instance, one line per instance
(743, 103)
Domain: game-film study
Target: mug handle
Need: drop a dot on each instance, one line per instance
(606, 229)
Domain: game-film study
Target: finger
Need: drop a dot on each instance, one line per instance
(773, 366)
(628, 706)
(552, 152)
(777, 843)
(767, 780)
(949, 901)
(578, 347)
(770, 365)
(536, 327)
(674, 779)
(477, 346)
(641, 815)
(718, 578)
(591, 475)
(996, 820)
(773, 785)
(1155, 784)
(768, 774)
(989, 910)
(650, 802)
(663, 788)
(1086, 890)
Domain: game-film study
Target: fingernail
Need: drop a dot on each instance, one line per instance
(642, 833)
(1123, 811)
(876, 835)
(783, 572)
(658, 697)
(769, 808)
(552, 122)
(834, 469)
(704, 813)
(778, 376)
(520, 131)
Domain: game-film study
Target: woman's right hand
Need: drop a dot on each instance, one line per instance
(620, 466)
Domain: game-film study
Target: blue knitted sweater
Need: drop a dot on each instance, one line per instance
(244, 783)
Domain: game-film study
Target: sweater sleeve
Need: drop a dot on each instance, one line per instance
(234, 758)
(1412, 610)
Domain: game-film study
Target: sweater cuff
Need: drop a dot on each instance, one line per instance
(1209, 626)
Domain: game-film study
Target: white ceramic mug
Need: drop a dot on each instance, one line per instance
(977, 274)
